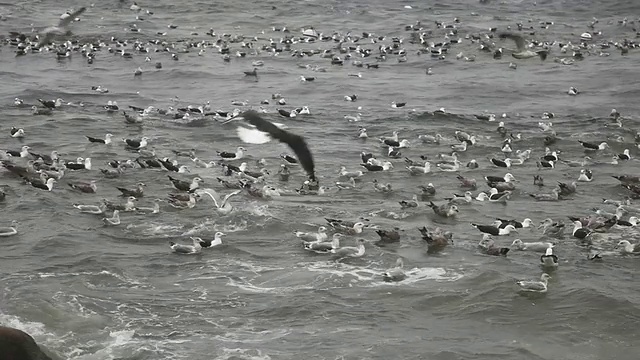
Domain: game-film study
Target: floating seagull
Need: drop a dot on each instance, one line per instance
(534, 285)
(521, 50)
(84, 187)
(436, 239)
(114, 220)
(585, 175)
(136, 144)
(444, 210)
(185, 185)
(137, 192)
(580, 232)
(539, 246)
(187, 249)
(593, 147)
(263, 131)
(9, 231)
(395, 273)
(323, 247)
(17, 133)
(628, 248)
(91, 209)
(350, 251)
(239, 154)
(494, 230)
(549, 259)
(216, 241)
(321, 235)
(36, 111)
(51, 104)
(106, 141)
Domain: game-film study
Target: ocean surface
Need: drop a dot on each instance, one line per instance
(87, 291)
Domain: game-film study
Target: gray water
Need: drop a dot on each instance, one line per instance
(86, 291)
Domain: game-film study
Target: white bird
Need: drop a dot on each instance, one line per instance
(628, 248)
(187, 249)
(318, 236)
(534, 285)
(223, 207)
(395, 273)
(350, 251)
(416, 170)
(538, 246)
(549, 260)
(217, 240)
(350, 174)
(11, 230)
(114, 220)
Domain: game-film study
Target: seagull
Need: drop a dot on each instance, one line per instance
(549, 260)
(319, 236)
(114, 220)
(395, 273)
(217, 240)
(187, 249)
(539, 246)
(521, 50)
(61, 29)
(223, 206)
(264, 131)
(535, 286)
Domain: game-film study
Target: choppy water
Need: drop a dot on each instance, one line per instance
(86, 291)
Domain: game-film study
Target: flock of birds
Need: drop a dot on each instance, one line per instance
(367, 51)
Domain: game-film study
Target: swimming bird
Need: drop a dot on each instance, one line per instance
(216, 241)
(91, 209)
(628, 248)
(593, 147)
(59, 30)
(85, 187)
(580, 232)
(37, 111)
(136, 144)
(437, 239)
(538, 180)
(521, 51)
(106, 140)
(494, 197)
(567, 189)
(138, 192)
(427, 192)
(183, 204)
(48, 185)
(625, 155)
(534, 285)
(264, 131)
(526, 223)
(388, 236)
(114, 220)
(253, 72)
(444, 210)
(553, 196)
(318, 236)
(350, 174)
(466, 198)
(350, 251)
(538, 246)
(586, 175)
(494, 230)
(466, 182)
(10, 230)
(16, 133)
(185, 185)
(417, 170)
(506, 163)
(549, 259)
(488, 246)
(323, 247)
(239, 154)
(187, 249)
(405, 204)
(395, 273)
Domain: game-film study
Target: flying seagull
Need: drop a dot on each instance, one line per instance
(521, 51)
(61, 29)
(262, 131)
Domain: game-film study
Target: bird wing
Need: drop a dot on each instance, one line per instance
(68, 19)
(519, 40)
(228, 196)
(295, 142)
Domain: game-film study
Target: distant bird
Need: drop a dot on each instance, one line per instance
(16, 132)
(253, 72)
(85, 187)
(138, 192)
(521, 49)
